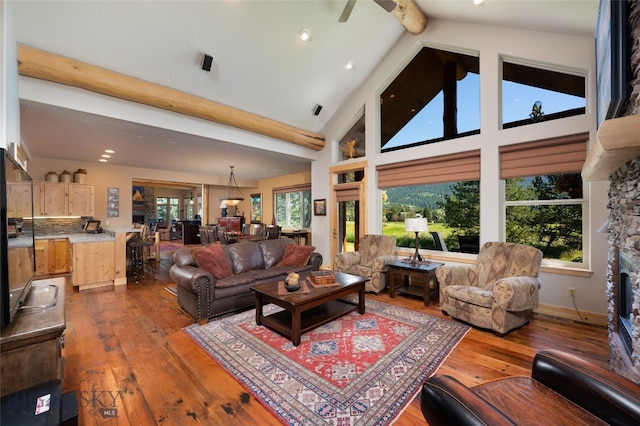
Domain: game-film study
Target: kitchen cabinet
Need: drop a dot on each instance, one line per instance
(62, 199)
(80, 200)
(18, 196)
(53, 256)
(94, 264)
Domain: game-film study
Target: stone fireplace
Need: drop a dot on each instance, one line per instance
(615, 155)
(623, 272)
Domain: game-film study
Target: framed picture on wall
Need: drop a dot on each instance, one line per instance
(113, 202)
(256, 208)
(320, 207)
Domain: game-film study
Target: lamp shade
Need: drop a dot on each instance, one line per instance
(223, 205)
(417, 224)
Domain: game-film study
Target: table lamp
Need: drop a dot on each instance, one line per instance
(418, 224)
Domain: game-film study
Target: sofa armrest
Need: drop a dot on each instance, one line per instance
(192, 278)
(456, 275)
(516, 294)
(610, 397)
(445, 401)
(345, 260)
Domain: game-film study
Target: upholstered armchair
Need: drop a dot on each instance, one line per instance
(499, 292)
(370, 261)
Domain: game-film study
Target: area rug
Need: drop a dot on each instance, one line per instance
(356, 370)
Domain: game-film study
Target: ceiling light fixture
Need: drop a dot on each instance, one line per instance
(102, 160)
(231, 200)
(478, 2)
(350, 65)
(105, 156)
(304, 35)
(109, 151)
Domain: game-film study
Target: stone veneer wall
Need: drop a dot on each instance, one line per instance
(624, 230)
(624, 235)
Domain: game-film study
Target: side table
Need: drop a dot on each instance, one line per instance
(425, 271)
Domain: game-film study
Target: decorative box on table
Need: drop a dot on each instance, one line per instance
(322, 277)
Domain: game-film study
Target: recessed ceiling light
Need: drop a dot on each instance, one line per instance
(103, 160)
(304, 35)
(350, 65)
(105, 156)
(478, 2)
(109, 151)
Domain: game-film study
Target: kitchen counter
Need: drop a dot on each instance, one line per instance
(78, 238)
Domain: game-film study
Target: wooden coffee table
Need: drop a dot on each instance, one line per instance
(304, 312)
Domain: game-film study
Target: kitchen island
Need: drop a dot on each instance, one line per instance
(96, 260)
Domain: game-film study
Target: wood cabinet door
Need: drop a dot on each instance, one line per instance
(59, 256)
(80, 200)
(56, 199)
(42, 257)
(19, 199)
(38, 199)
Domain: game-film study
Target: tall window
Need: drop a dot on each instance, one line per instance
(293, 206)
(451, 208)
(167, 209)
(534, 94)
(544, 202)
(444, 189)
(435, 97)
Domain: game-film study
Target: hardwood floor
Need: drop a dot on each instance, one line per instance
(125, 349)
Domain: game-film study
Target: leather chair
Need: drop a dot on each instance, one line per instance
(563, 390)
(272, 232)
(499, 292)
(204, 238)
(370, 261)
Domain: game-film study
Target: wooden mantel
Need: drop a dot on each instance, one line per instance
(48, 66)
(617, 142)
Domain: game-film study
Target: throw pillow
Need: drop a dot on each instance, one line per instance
(212, 259)
(296, 255)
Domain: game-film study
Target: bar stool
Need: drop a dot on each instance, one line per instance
(136, 248)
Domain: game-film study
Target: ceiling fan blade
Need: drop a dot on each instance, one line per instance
(344, 16)
(387, 5)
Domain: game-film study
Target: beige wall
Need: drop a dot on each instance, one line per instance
(103, 176)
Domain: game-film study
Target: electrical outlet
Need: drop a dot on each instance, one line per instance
(572, 292)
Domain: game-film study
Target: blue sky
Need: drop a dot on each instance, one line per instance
(517, 103)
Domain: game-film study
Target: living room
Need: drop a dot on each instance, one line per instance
(574, 52)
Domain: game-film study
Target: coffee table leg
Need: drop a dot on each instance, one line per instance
(258, 308)
(361, 299)
(295, 326)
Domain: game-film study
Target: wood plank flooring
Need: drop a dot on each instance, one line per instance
(125, 350)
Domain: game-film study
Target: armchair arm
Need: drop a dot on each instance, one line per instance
(456, 275)
(445, 401)
(612, 398)
(379, 264)
(516, 294)
(344, 260)
(315, 260)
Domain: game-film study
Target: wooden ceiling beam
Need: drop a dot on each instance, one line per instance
(59, 69)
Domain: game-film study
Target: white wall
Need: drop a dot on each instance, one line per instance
(574, 52)
(9, 105)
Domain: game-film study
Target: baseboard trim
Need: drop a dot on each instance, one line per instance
(571, 314)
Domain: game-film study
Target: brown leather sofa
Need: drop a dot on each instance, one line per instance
(204, 296)
(563, 390)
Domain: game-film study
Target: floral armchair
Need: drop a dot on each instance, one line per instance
(369, 261)
(499, 292)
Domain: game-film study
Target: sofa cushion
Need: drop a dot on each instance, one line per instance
(212, 259)
(296, 255)
(244, 256)
(273, 250)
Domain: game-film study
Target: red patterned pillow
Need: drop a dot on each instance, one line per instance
(212, 259)
(296, 255)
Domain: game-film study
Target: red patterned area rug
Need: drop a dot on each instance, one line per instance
(356, 370)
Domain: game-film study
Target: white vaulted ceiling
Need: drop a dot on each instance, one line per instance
(259, 66)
